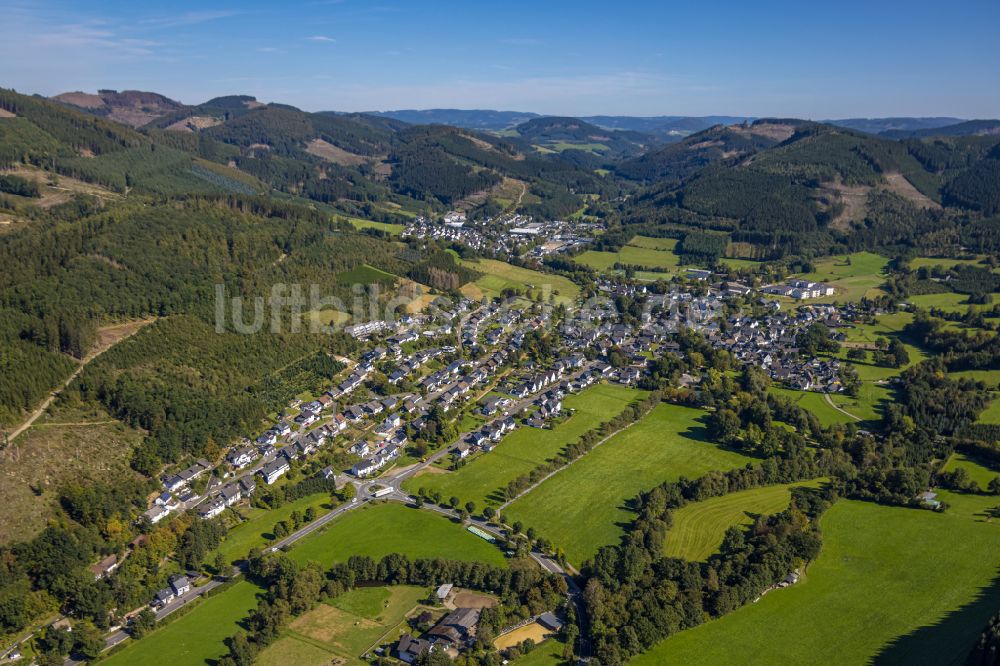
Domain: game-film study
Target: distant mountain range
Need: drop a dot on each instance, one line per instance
(139, 108)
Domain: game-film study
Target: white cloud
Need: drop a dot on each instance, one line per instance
(321, 38)
(186, 18)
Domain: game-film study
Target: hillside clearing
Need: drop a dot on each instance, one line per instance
(499, 275)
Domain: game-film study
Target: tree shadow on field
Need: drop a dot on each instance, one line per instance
(947, 641)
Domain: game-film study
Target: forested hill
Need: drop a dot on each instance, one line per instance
(780, 188)
(569, 133)
(967, 128)
(361, 165)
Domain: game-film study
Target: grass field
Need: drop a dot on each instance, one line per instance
(854, 275)
(582, 507)
(253, 532)
(196, 637)
(381, 529)
(499, 275)
(548, 653)
(815, 403)
(921, 262)
(640, 251)
(949, 302)
(868, 403)
(394, 229)
(992, 412)
(978, 472)
(525, 448)
(891, 586)
(344, 628)
(699, 527)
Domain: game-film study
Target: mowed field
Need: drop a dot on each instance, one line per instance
(948, 302)
(196, 637)
(891, 585)
(499, 275)
(815, 403)
(525, 448)
(700, 527)
(358, 223)
(582, 507)
(854, 275)
(345, 627)
(381, 529)
(979, 473)
(640, 251)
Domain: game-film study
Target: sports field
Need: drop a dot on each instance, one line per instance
(854, 275)
(345, 628)
(381, 529)
(582, 507)
(525, 448)
(892, 585)
(196, 637)
(699, 527)
(499, 275)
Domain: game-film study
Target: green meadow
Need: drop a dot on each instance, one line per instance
(499, 275)
(854, 275)
(891, 585)
(525, 448)
(699, 527)
(582, 507)
(196, 637)
(380, 529)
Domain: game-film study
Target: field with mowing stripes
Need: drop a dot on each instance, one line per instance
(891, 585)
(699, 527)
(582, 507)
(525, 448)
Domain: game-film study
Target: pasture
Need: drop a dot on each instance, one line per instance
(815, 403)
(854, 275)
(525, 448)
(891, 585)
(867, 404)
(978, 472)
(640, 251)
(255, 530)
(699, 527)
(948, 302)
(388, 227)
(196, 637)
(582, 507)
(380, 529)
(345, 627)
(499, 275)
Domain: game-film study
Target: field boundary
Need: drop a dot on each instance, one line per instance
(556, 471)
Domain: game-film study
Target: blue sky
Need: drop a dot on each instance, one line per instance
(803, 59)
